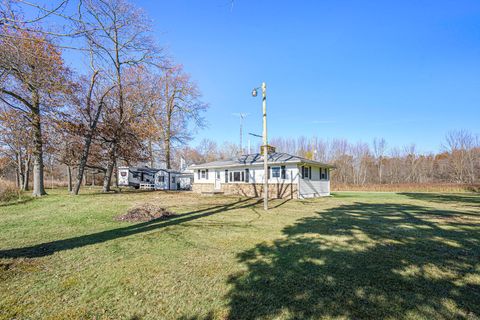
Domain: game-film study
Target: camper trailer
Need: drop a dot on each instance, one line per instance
(136, 176)
(150, 178)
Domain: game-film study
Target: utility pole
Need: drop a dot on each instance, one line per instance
(242, 116)
(265, 147)
(265, 144)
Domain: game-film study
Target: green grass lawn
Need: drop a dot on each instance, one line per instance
(350, 256)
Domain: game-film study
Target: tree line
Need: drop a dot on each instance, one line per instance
(129, 102)
(371, 163)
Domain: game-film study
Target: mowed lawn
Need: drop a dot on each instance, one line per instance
(350, 256)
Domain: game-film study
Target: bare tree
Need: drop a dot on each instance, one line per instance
(177, 106)
(16, 139)
(120, 36)
(379, 149)
(32, 76)
(462, 147)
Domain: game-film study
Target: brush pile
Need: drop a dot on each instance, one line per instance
(145, 212)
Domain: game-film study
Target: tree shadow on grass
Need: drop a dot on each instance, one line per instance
(363, 261)
(22, 200)
(467, 199)
(48, 248)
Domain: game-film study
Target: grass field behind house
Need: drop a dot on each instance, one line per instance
(408, 187)
(350, 256)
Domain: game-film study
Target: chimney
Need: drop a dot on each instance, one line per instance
(270, 149)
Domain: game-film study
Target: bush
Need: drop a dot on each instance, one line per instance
(8, 191)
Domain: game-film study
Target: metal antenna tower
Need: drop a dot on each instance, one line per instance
(242, 116)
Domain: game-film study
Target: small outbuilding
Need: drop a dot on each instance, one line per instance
(173, 180)
(289, 176)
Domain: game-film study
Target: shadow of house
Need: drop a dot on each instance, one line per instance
(48, 248)
(363, 261)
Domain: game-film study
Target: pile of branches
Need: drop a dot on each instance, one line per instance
(145, 212)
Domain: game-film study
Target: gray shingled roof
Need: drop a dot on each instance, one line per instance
(257, 159)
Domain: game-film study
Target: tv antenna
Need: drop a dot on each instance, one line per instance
(242, 116)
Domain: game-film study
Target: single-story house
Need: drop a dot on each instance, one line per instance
(289, 176)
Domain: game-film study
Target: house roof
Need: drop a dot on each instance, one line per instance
(257, 159)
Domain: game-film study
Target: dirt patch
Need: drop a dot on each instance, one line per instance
(145, 212)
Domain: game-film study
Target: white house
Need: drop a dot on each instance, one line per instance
(289, 176)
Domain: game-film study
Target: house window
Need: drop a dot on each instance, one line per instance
(237, 176)
(323, 174)
(247, 175)
(306, 172)
(284, 172)
(161, 179)
(226, 176)
(173, 179)
(198, 174)
(218, 175)
(276, 172)
(123, 173)
(206, 174)
(203, 174)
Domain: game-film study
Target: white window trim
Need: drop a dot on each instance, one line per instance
(279, 172)
(233, 175)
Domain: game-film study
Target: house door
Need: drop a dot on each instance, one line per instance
(217, 181)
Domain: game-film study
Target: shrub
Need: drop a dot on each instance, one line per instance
(8, 191)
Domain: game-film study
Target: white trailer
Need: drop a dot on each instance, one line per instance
(150, 178)
(136, 176)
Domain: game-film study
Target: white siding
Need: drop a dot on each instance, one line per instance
(211, 176)
(291, 174)
(161, 185)
(314, 186)
(123, 176)
(256, 174)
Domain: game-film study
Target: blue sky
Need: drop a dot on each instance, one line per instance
(408, 71)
